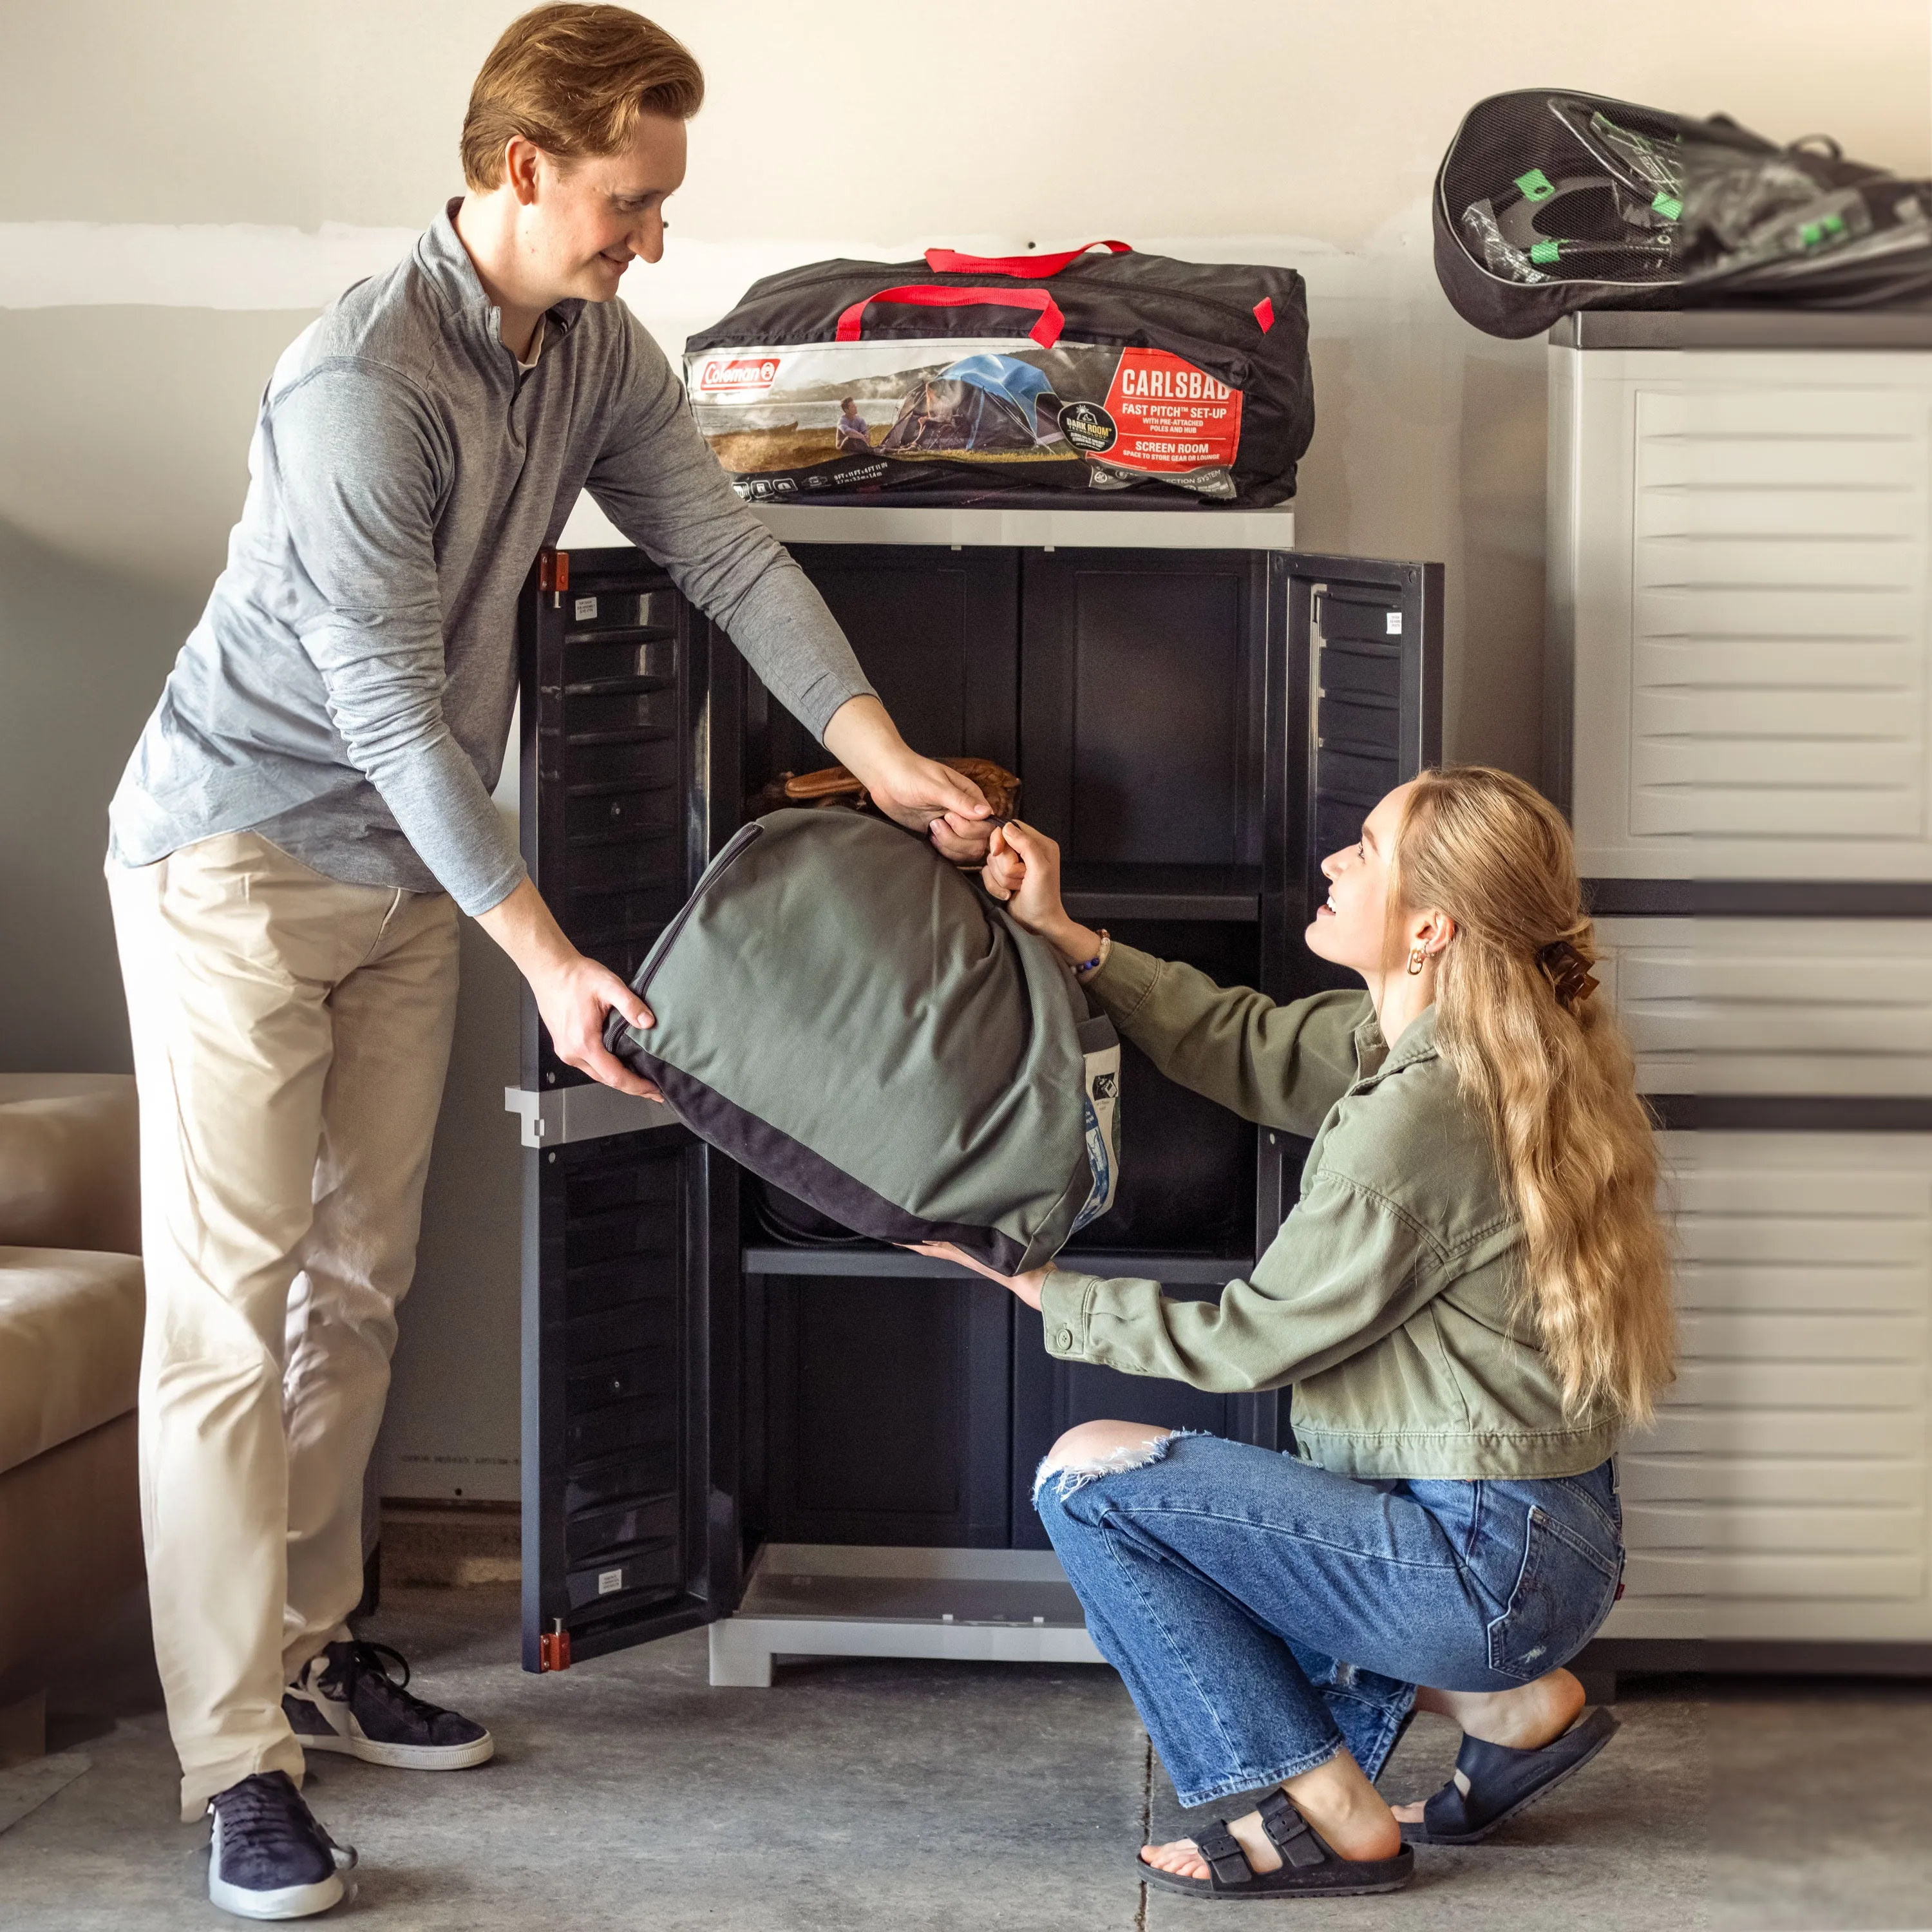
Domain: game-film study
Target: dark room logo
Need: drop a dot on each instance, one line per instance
(1087, 426)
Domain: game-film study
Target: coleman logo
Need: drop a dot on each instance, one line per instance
(756, 372)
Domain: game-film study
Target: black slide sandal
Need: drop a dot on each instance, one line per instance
(1501, 1782)
(1308, 1869)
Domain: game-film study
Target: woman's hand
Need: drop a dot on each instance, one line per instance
(920, 793)
(1023, 867)
(1026, 1286)
(1005, 869)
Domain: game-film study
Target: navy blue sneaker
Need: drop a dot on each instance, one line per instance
(345, 1700)
(269, 1858)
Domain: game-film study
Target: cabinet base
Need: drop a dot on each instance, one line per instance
(1608, 1656)
(836, 1599)
(1016, 1606)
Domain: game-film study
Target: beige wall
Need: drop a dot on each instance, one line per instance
(219, 168)
(1310, 117)
(1307, 133)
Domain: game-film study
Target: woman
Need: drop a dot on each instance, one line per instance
(1472, 1299)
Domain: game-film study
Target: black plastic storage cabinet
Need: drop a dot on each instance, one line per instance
(1197, 727)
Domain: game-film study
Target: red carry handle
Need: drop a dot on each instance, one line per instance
(924, 295)
(944, 261)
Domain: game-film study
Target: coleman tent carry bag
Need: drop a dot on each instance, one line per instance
(962, 373)
(853, 1019)
(1549, 202)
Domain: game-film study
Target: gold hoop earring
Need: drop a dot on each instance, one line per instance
(1416, 956)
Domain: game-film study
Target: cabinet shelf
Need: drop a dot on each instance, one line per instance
(1180, 1271)
(1232, 893)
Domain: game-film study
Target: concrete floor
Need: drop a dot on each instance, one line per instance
(880, 1797)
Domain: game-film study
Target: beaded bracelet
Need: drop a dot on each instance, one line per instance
(1088, 967)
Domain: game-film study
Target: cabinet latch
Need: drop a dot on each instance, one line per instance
(553, 1647)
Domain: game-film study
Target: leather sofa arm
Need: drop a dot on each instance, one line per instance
(70, 1163)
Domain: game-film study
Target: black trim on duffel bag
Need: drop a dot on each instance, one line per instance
(760, 1147)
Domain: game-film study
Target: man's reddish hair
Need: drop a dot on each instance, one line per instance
(573, 79)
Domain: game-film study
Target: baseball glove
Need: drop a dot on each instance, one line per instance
(836, 786)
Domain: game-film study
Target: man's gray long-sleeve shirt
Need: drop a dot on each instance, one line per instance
(348, 691)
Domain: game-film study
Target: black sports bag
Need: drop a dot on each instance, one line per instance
(1550, 201)
(963, 372)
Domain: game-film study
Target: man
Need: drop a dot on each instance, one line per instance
(854, 438)
(306, 815)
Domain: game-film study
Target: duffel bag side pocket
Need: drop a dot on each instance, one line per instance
(1100, 1106)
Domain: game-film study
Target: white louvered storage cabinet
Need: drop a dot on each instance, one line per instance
(1783, 1495)
(1769, 1006)
(1738, 712)
(1739, 634)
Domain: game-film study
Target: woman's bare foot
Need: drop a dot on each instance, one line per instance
(1335, 1797)
(1525, 1719)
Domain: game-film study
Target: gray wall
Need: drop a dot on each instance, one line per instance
(109, 540)
(181, 187)
(81, 651)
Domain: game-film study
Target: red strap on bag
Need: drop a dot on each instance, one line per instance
(921, 295)
(944, 261)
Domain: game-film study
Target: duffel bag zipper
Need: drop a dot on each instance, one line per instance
(734, 849)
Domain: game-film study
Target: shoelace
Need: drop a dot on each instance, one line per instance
(265, 1813)
(359, 1659)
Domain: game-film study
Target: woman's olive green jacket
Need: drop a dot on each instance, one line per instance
(1390, 1298)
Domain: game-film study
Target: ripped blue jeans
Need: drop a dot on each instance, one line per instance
(1264, 1613)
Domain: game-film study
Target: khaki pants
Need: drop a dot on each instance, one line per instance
(291, 1036)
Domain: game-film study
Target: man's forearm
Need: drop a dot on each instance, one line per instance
(574, 995)
(389, 713)
(522, 925)
(659, 482)
(862, 735)
(920, 793)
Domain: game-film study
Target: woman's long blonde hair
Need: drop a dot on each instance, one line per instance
(1546, 1064)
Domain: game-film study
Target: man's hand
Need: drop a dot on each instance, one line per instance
(573, 993)
(920, 793)
(1027, 1286)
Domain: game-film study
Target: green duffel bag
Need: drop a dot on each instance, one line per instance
(847, 1015)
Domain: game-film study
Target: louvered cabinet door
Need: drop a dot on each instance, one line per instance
(1783, 1496)
(1789, 1009)
(1361, 713)
(1739, 671)
(631, 1423)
